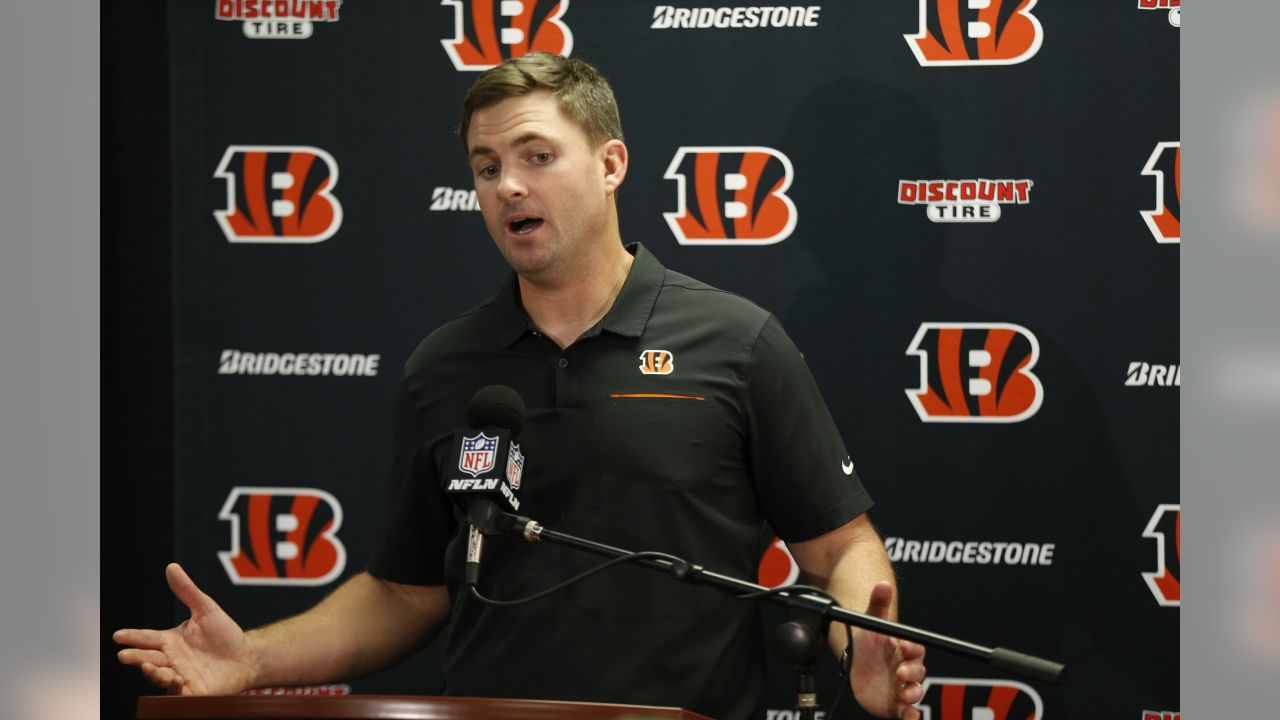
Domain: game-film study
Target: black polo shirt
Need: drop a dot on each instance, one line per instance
(682, 422)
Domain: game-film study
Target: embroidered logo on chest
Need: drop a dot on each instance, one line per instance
(657, 362)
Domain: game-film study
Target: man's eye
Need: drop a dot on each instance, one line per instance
(541, 158)
(488, 171)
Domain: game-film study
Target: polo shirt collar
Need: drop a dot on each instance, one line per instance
(627, 317)
(630, 312)
(512, 322)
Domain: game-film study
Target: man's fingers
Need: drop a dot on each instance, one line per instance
(881, 600)
(139, 638)
(911, 673)
(911, 651)
(159, 676)
(186, 590)
(134, 656)
(911, 694)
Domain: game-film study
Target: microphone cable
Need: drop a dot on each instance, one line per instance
(845, 663)
(680, 569)
(633, 557)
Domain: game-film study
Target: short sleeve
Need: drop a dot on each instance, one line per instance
(803, 475)
(416, 522)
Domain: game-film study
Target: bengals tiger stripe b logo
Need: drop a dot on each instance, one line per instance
(976, 32)
(777, 566)
(1165, 528)
(975, 373)
(657, 362)
(278, 194)
(969, 698)
(282, 536)
(488, 32)
(731, 196)
(1165, 164)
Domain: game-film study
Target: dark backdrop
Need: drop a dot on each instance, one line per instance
(137, 337)
(1071, 287)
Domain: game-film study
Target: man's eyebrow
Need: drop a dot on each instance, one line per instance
(529, 137)
(524, 139)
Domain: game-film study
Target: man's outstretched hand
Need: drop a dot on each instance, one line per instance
(887, 672)
(207, 654)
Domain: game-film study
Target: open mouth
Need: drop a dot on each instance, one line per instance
(524, 225)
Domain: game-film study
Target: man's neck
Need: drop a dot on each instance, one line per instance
(563, 311)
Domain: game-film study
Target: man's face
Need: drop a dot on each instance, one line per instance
(540, 184)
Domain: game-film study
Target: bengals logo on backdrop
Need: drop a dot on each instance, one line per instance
(976, 32)
(968, 698)
(975, 372)
(282, 536)
(487, 32)
(278, 194)
(1166, 529)
(778, 566)
(1165, 164)
(736, 196)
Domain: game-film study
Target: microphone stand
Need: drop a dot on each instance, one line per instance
(796, 643)
(825, 609)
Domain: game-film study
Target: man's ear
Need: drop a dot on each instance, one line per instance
(615, 165)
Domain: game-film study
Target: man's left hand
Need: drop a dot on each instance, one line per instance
(887, 672)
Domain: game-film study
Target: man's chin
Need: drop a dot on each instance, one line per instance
(528, 262)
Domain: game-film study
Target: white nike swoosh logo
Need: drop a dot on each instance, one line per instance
(847, 466)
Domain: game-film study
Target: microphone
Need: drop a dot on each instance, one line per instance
(496, 406)
(490, 467)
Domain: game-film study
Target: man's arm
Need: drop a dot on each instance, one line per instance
(850, 563)
(847, 562)
(365, 625)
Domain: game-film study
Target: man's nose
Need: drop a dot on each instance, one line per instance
(511, 186)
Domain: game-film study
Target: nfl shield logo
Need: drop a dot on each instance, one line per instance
(478, 454)
(515, 466)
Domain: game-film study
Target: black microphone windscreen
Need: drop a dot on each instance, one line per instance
(496, 406)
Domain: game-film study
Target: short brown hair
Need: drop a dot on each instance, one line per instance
(580, 90)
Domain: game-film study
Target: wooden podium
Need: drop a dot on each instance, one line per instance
(391, 707)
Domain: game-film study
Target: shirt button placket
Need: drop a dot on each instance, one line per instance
(562, 382)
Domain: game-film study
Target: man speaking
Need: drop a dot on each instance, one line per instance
(662, 414)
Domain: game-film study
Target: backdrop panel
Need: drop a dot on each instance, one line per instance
(967, 217)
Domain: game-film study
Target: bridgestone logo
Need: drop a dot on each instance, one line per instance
(445, 198)
(1143, 374)
(972, 552)
(666, 17)
(235, 362)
